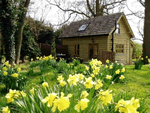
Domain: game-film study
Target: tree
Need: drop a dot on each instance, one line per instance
(19, 32)
(146, 40)
(12, 13)
(86, 8)
(8, 13)
(137, 50)
(29, 45)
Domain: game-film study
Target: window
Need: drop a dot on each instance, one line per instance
(118, 29)
(77, 48)
(83, 27)
(119, 48)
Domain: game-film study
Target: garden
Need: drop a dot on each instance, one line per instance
(45, 85)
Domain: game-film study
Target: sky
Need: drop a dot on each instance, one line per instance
(41, 10)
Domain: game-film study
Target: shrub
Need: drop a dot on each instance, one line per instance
(138, 64)
(11, 77)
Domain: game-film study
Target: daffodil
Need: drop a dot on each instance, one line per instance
(96, 71)
(45, 58)
(87, 68)
(128, 106)
(110, 67)
(15, 75)
(88, 83)
(105, 96)
(117, 71)
(6, 63)
(32, 91)
(84, 94)
(82, 105)
(80, 76)
(92, 75)
(121, 77)
(23, 94)
(106, 66)
(108, 77)
(72, 80)
(45, 84)
(5, 68)
(19, 69)
(99, 84)
(107, 61)
(60, 78)
(61, 103)
(123, 70)
(50, 99)
(5, 110)
(5, 73)
(62, 83)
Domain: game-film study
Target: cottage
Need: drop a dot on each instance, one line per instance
(112, 33)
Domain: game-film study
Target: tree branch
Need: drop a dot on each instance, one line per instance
(69, 10)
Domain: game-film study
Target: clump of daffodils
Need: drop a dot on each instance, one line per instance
(128, 106)
(46, 58)
(95, 66)
(14, 94)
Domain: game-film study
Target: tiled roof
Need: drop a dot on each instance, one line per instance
(101, 25)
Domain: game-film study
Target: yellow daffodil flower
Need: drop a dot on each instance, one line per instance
(117, 71)
(45, 84)
(84, 94)
(82, 104)
(105, 96)
(121, 77)
(107, 61)
(5, 73)
(108, 77)
(15, 75)
(62, 83)
(5, 110)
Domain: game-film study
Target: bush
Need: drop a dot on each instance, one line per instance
(138, 64)
(11, 77)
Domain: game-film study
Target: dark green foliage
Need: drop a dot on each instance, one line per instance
(12, 82)
(45, 35)
(29, 46)
(138, 64)
(137, 50)
(9, 13)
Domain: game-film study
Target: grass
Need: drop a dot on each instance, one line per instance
(137, 82)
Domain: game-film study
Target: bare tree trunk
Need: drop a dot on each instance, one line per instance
(146, 40)
(20, 31)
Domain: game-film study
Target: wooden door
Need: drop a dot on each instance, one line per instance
(93, 51)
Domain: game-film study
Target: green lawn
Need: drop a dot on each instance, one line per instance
(137, 82)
